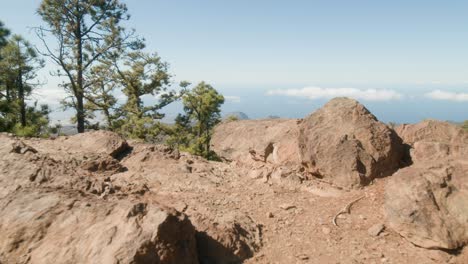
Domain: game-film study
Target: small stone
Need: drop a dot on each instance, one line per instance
(376, 229)
(186, 168)
(326, 230)
(303, 257)
(270, 215)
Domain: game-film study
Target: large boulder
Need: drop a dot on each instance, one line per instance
(54, 164)
(432, 131)
(428, 204)
(95, 142)
(434, 140)
(345, 144)
(66, 227)
(424, 151)
(228, 238)
(272, 141)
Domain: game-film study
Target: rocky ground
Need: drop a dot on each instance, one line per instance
(95, 198)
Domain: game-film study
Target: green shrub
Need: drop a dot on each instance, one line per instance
(231, 118)
(27, 131)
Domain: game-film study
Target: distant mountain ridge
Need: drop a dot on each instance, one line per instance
(238, 115)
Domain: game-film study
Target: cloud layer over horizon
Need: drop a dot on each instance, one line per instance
(447, 96)
(328, 93)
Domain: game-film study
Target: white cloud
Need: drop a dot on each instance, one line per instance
(232, 98)
(327, 93)
(50, 95)
(449, 96)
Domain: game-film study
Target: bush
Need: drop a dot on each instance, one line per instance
(27, 131)
(231, 118)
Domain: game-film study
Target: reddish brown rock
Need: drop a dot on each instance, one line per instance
(250, 141)
(432, 131)
(345, 144)
(428, 204)
(55, 227)
(434, 140)
(94, 142)
(231, 238)
(59, 199)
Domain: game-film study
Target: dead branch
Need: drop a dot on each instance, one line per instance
(346, 209)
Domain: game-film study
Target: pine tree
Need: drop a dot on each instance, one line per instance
(4, 33)
(142, 74)
(100, 96)
(85, 31)
(202, 107)
(18, 68)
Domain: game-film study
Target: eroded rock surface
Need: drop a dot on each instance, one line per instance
(229, 238)
(345, 144)
(428, 204)
(70, 202)
(249, 141)
(61, 199)
(65, 227)
(342, 142)
(432, 131)
(434, 140)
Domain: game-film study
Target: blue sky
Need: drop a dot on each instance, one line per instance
(405, 60)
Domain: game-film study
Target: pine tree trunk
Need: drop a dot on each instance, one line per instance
(80, 113)
(21, 99)
(19, 83)
(80, 117)
(109, 119)
(207, 143)
(8, 95)
(199, 135)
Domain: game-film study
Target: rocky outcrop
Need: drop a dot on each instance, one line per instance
(94, 142)
(65, 227)
(95, 199)
(342, 142)
(252, 141)
(230, 238)
(424, 151)
(428, 204)
(434, 140)
(63, 201)
(55, 207)
(102, 142)
(50, 165)
(345, 144)
(432, 131)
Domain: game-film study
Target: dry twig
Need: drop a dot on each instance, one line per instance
(346, 209)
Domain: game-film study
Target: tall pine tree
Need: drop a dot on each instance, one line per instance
(85, 31)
